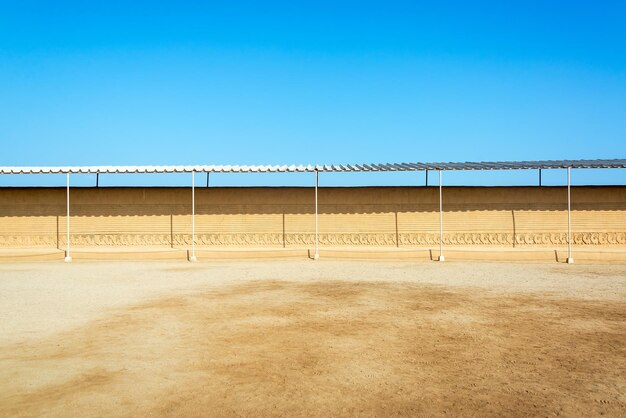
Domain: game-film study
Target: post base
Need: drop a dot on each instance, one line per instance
(68, 259)
(441, 258)
(569, 260)
(193, 259)
(316, 256)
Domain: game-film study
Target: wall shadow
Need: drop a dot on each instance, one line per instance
(125, 201)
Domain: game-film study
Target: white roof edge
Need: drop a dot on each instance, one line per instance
(414, 166)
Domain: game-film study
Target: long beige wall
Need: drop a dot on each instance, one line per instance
(284, 217)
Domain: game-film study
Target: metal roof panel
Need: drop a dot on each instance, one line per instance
(483, 165)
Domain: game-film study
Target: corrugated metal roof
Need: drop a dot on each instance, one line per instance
(449, 166)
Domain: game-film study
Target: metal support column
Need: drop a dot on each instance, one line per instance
(426, 177)
(68, 257)
(193, 217)
(317, 254)
(570, 260)
(441, 257)
(207, 178)
(539, 177)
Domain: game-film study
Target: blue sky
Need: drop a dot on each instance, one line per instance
(107, 83)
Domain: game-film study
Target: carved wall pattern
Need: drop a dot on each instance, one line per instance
(301, 239)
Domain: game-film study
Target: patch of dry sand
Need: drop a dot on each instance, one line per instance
(321, 339)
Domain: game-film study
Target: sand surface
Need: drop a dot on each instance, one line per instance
(304, 338)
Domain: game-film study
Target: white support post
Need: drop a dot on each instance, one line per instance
(570, 260)
(441, 257)
(68, 257)
(193, 217)
(317, 254)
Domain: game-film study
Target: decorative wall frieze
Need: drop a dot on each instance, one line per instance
(538, 239)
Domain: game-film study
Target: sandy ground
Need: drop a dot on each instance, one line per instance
(324, 338)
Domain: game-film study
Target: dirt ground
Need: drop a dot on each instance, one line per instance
(304, 338)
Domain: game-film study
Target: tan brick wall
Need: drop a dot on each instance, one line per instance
(284, 217)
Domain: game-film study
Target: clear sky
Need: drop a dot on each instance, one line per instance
(133, 83)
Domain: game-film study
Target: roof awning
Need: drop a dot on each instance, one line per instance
(449, 166)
